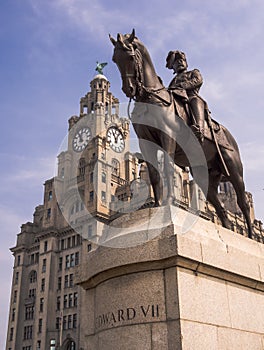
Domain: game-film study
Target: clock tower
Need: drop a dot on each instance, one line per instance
(96, 168)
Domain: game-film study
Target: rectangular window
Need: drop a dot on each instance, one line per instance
(16, 277)
(66, 281)
(49, 213)
(60, 263)
(13, 315)
(28, 332)
(58, 302)
(15, 296)
(33, 276)
(69, 242)
(90, 231)
(74, 321)
(29, 312)
(75, 299)
(70, 300)
(89, 247)
(40, 325)
(64, 324)
(57, 323)
(11, 335)
(37, 258)
(103, 196)
(73, 241)
(18, 260)
(71, 280)
(72, 260)
(32, 293)
(42, 288)
(62, 244)
(32, 259)
(59, 283)
(41, 304)
(76, 258)
(65, 301)
(69, 321)
(52, 344)
(67, 262)
(50, 196)
(38, 344)
(45, 246)
(104, 178)
(44, 265)
(91, 196)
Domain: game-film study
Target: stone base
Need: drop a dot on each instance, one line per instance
(201, 290)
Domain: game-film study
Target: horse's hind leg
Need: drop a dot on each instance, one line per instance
(238, 183)
(212, 196)
(236, 178)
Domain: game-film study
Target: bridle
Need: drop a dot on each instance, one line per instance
(139, 76)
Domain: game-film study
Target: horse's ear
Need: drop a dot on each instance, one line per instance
(120, 38)
(131, 37)
(112, 40)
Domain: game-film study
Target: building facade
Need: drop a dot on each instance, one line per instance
(98, 179)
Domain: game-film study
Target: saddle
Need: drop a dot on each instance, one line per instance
(182, 107)
(219, 132)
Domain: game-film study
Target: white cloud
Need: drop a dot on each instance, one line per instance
(27, 169)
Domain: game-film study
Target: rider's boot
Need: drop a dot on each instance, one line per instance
(197, 107)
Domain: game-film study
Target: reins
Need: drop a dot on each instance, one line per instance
(137, 56)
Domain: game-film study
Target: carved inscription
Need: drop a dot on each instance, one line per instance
(137, 314)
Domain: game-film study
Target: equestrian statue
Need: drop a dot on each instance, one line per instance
(177, 121)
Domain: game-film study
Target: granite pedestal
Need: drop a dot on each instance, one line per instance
(152, 286)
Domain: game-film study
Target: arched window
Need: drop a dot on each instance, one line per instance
(33, 276)
(71, 345)
(115, 167)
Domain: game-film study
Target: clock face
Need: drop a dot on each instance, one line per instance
(81, 139)
(115, 139)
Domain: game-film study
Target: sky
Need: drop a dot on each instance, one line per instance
(49, 50)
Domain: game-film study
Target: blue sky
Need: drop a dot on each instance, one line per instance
(49, 50)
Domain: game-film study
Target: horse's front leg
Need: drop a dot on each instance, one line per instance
(154, 177)
(149, 151)
(169, 147)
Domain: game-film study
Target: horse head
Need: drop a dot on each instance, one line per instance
(126, 57)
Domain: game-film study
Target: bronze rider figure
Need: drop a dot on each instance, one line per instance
(186, 85)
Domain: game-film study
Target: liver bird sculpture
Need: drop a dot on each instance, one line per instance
(100, 66)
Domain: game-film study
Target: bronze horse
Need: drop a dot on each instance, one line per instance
(160, 126)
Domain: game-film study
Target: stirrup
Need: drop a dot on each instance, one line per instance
(198, 132)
